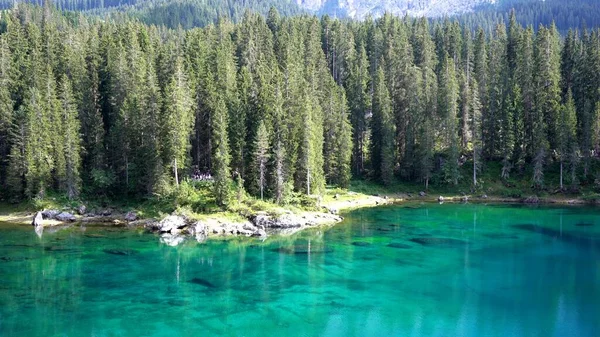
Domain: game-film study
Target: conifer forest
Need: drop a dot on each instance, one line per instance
(276, 104)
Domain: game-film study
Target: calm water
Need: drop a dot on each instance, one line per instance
(430, 270)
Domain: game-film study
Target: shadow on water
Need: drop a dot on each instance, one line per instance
(441, 242)
(564, 236)
(398, 245)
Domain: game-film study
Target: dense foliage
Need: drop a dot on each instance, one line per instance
(276, 105)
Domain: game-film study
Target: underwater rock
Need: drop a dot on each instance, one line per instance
(437, 241)
(95, 236)
(37, 219)
(565, 236)
(399, 245)
(202, 282)
(360, 244)
(121, 252)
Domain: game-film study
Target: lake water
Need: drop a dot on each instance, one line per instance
(425, 270)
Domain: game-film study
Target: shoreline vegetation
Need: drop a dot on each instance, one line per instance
(262, 220)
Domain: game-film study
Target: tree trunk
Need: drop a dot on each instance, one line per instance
(561, 174)
(474, 167)
(175, 171)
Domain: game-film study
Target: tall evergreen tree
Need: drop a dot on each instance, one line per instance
(383, 145)
(177, 121)
(220, 153)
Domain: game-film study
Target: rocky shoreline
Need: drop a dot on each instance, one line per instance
(175, 229)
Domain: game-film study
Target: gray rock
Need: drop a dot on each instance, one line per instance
(50, 214)
(441, 199)
(260, 232)
(105, 212)
(422, 194)
(65, 217)
(484, 196)
(81, 210)
(464, 198)
(532, 200)
(38, 218)
(130, 216)
(170, 223)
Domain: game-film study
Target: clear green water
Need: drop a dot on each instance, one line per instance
(433, 270)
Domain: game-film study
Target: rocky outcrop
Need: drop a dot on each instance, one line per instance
(50, 214)
(532, 200)
(65, 217)
(169, 224)
(130, 216)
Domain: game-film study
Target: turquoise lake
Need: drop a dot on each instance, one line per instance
(419, 270)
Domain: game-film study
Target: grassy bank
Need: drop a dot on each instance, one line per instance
(194, 201)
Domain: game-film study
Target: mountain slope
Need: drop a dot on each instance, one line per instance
(360, 8)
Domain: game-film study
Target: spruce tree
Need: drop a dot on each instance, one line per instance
(567, 139)
(220, 153)
(261, 157)
(383, 146)
(71, 140)
(176, 121)
(447, 109)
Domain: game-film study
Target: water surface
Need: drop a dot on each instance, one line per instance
(424, 270)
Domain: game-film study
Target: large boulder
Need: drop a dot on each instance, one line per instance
(65, 217)
(50, 214)
(38, 218)
(281, 222)
(169, 224)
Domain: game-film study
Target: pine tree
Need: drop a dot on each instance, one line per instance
(177, 121)
(383, 146)
(447, 109)
(567, 138)
(360, 105)
(6, 106)
(71, 145)
(261, 157)
(38, 145)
